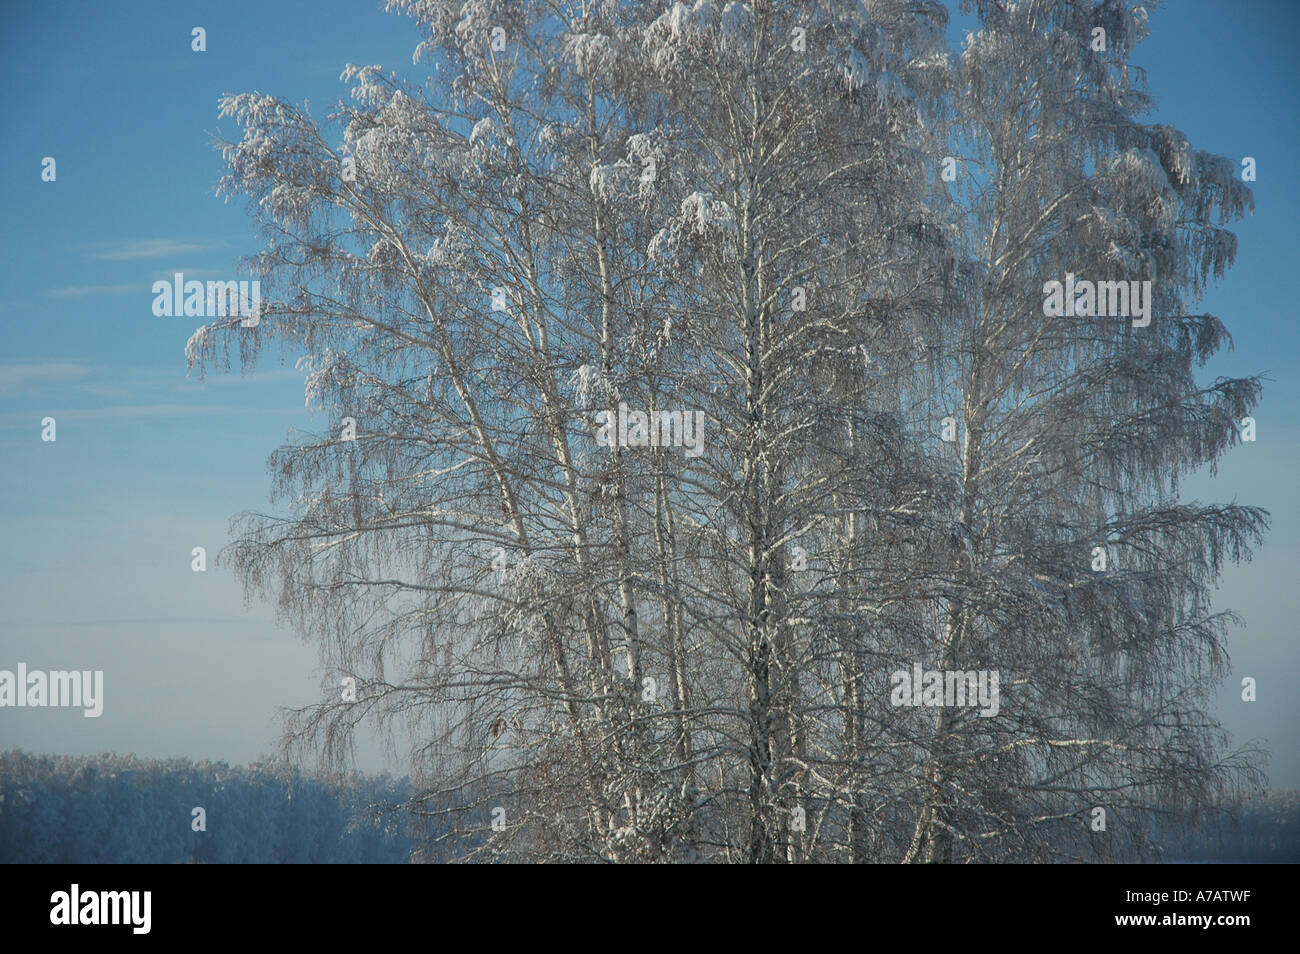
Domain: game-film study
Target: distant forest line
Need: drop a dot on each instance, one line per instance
(120, 809)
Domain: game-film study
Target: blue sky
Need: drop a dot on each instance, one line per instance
(97, 528)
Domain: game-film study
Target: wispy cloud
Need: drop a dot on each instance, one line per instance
(74, 377)
(16, 378)
(137, 411)
(147, 248)
(81, 291)
(106, 390)
(192, 273)
(257, 376)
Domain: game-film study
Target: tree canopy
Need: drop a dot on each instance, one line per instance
(826, 237)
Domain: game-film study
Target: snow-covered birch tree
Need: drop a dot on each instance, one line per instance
(722, 225)
(1082, 577)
